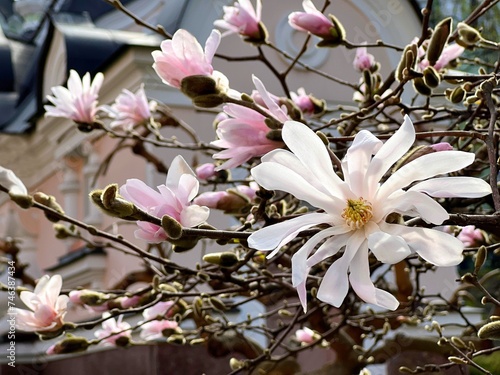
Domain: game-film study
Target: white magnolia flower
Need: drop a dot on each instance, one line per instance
(356, 208)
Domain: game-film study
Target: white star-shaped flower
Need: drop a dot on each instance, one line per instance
(356, 208)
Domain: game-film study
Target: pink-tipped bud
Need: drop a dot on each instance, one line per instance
(205, 171)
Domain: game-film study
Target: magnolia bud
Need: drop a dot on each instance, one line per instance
(480, 259)
(432, 78)
(420, 86)
(490, 331)
(467, 35)
(337, 34)
(224, 259)
(407, 61)
(198, 85)
(49, 201)
(274, 135)
(457, 95)
(208, 101)
(71, 344)
(438, 40)
(172, 227)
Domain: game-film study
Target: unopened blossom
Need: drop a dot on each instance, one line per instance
(205, 171)
(130, 109)
(112, 330)
(230, 201)
(312, 20)
(303, 101)
(128, 302)
(244, 134)
(183, 56)
(355, 208)
(78, 101)
(11, 182)
(441, 146)
(47, 306)
(242, 18)
(161, 309)
(470, 236)
(305, 335)
(363, 60)
(172, 199)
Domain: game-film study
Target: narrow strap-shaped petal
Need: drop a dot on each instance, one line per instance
(277, 235)
(363, 286)
(211, 45)
(312, 153)
(335, 284)
(387, 248)
(390, 152)
(424, 167)
(436, 247)
(451, 187)
(274, 176)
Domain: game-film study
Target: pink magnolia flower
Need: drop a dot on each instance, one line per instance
(243, 135)
(112, 330)
(78, 102)
(154, 330)
(303, 101)
(163, 309)
(312, 20)
(355, 208)
(241, 18)
(128, 302)
(450, 53)
(363, 60)
(47, 306)
(173, 199)
(470, 236)
(130, 109)
(205, 171)
(306, 335)
(230, 201)
(183, 56)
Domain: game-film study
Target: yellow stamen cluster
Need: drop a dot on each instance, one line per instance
(357, 213)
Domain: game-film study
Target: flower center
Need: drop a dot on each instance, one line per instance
(357, 212)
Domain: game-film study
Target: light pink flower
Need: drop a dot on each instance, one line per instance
(130, 109)
(356, 207)
(183, 56)
(312, 20)
(303, 101)
(154, 330)
(305, 335)
(243, 135)
(241, 18)
(470, 236)
(363, 60)
(112, 330)
(128, 302)
(173, 199)
(230, 201)
(450, 53)
(163, 309)
(205, 171)
(78, 102)
(47, 306)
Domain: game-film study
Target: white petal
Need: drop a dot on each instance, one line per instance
(312, 152)
(277, 235)
(391, 151)
(330, 247)
(299, 259)
(211, 44)
(439, 248)
(335, 284)
(194, 215)
(363, 286)
(387, 248)
(302, 292)
(424, 167)
(450, 187)
(178, 167)
(355, 163)
(414, 203)
(274, 176)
